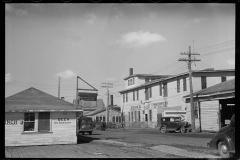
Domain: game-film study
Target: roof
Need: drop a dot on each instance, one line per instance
(175, 76)
(34, 99)
(224, 87)
(146, 75)
(99, 111)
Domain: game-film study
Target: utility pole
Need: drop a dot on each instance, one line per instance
(59, 87)
(107, 85)
(189, 60)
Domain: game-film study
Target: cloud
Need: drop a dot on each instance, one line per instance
(19, 12)
(67, 74)
(111, 79)
(8, 77)
(192, 22)
(90, 18)
(231, 62)
(140, 39)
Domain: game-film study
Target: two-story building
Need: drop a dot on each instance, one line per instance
(147, 96)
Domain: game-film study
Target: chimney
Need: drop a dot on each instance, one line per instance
(111, 100)
(62, 98)
(130, 71)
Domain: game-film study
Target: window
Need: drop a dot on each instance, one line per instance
(44, 121)
(146, 93)
(150, 115)
(150, 92)
(139, 116)
(129, 116)
(103, 118)
(29, 121)
(223, 79)
(137, 95)
(113, 119)
(178, 85)
(165, 90)
(204, 82)
(146, 117)
(116, 118)
(160, 89)
(133, 80)
(123, 97)
(130, 81)
(132, 116)
(126, 97)
(97, 118)
(133, 95)
(184, 84)
(119, 118)
(147, 79)
(135, 116)
(100, 118)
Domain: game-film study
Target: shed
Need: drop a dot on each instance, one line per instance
(33, 117)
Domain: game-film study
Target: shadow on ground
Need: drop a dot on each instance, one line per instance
(85, 139)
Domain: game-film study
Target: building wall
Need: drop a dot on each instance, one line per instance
(112, 113)
(62, 132)
(174, 99)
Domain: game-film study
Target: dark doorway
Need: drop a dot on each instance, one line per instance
(227, 110)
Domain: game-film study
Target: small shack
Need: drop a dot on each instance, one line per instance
(33, 117)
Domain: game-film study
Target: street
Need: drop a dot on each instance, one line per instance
(126, 143)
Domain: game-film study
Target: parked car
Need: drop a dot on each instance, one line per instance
(85, 125)
(176, 124)
(224, 141)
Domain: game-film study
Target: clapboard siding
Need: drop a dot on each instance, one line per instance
(209, 115)
(60, 133)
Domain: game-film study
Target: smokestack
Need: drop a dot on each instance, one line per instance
(112, 100)
(130, 71)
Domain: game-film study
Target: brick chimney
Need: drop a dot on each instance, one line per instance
(130, 71)
(111, 100)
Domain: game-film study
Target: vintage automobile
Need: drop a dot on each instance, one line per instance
(224, 141)
(174, 124)
(85, 125)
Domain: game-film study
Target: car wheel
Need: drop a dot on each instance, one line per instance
(223, 150)
(163, 129)
(183, 129)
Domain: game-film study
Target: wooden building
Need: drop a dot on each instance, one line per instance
(33, 117)
(213, 106)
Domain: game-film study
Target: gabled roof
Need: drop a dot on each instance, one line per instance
(221, 88)
(34, 99)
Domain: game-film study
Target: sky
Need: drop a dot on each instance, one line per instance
(100, 42)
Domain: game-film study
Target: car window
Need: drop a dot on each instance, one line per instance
(177, 119)
(167, 119)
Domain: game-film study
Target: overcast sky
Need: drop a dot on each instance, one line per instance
(100, 42)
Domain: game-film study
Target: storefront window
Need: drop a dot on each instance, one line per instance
(44, 121)
(103, 118)
(29, 121)
(113, 119)
(116, 118)
(97, 119)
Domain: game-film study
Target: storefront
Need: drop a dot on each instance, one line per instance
(33, 117)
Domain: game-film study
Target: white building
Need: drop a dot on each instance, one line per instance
(146, 96)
